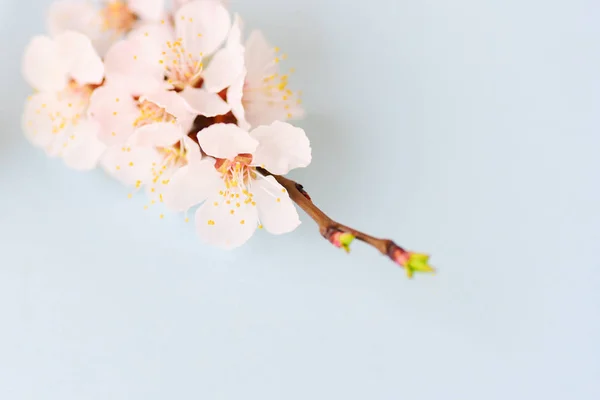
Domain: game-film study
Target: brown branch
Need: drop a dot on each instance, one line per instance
(338, 233)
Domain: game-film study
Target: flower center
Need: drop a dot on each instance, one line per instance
(182, 68)
(238, 175)
(116, 16)
(151, 113)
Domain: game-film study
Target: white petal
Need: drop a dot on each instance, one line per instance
(84, 64)
(72, 15)
(43, 67)
(133, 64)
(225, 225)
(193, 154)
(149, 10)
(116, 111)
(260, 57)
(235, 94)
(203, 25)
(160, 134)
(205, 103)
(226, 141)
(84, 150)
(226, 65)
(175, 105)
(191, 185)
(276, 210)
(132, 164)
(282, 147)
(234, 40)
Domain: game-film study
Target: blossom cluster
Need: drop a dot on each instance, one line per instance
(174, 102)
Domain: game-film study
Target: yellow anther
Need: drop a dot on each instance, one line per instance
(232, 212)
(211, 222)
(242, 222)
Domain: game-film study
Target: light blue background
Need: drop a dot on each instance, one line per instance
(469, 129)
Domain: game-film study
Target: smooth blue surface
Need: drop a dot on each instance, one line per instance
(469, 129)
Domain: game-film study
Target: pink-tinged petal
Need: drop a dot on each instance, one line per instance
(153, 35)
(262, 110)
(203, 25)
(282, 147)
(43, 67)
(59, 142)
(226, 141)
(73, 15)
(175, 105)
(133, 64)
(37, 123)
(191, 185)
(260, 58)
(235, 94)
(148, 10)
(160, 134)
(276, 210)
(224, 68)
(84, 64)
(132, 165)
(157, 188)
(226, 225)
(84, 149)
(116, 111)
(205, 103)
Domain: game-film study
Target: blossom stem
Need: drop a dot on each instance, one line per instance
(329, 227)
